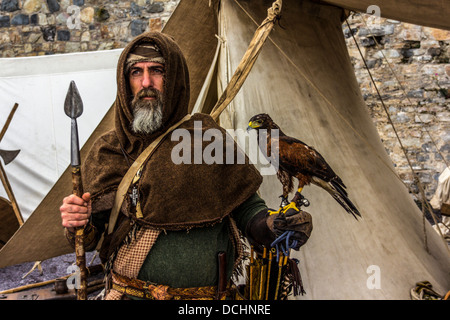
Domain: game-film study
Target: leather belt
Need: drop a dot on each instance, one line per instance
(147, 290)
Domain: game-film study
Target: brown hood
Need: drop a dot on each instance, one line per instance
(175, 96)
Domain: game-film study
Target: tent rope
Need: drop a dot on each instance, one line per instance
(410, 102)
(416, 177)
(403, 89)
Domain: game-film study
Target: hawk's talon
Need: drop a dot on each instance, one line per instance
(291, 205)
(284, 201)
(271, 212)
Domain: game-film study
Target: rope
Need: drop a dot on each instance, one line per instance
(419, 183)
(404, 90)
(430, 210)
(278, 243)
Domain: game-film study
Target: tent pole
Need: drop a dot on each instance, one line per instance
(3, 176)
(10, 194)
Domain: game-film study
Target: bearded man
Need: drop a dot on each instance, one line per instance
(176, 217)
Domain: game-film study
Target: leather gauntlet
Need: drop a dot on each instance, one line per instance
(265, 227)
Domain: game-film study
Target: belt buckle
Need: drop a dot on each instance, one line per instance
(157, 292)
(148, 292)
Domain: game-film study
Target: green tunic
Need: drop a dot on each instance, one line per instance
(182, 259)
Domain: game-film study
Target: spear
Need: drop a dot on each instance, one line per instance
(73, 107)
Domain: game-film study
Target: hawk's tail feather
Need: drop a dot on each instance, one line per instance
(337, 191)
(340, 187)
(347, 204)
(344, 199)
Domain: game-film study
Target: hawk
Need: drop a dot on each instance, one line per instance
(297, 159)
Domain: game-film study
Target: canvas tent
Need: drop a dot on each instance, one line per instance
(39, 125)
(304, 79)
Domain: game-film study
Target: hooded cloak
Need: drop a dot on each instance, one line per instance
(172, 196)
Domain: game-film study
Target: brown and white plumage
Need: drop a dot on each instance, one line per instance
(297, 159)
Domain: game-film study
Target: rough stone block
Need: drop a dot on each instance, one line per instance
(10, 5)
(63, 35)
(5, 21)
(20, 19)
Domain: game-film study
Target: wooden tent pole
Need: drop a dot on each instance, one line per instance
(3, 176)
(8, 120)
(10, 194)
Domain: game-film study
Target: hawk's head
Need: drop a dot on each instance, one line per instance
(261, 121)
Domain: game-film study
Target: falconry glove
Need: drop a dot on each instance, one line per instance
(295, 220)
(266, 226)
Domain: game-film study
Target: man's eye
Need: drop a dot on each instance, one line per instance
(158, 71)
(136, 72)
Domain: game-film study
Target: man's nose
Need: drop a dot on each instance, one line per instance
(147, 79)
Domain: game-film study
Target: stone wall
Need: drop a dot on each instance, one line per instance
(418, 56)
(40, 27)
(411, 69)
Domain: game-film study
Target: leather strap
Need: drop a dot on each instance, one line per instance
(142, 289)
(128, 177)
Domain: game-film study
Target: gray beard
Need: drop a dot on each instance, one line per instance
(147, 113)
(147, 116)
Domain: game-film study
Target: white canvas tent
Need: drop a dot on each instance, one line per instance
(40, 128)
(304, 80)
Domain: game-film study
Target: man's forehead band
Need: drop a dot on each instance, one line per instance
(144, 52)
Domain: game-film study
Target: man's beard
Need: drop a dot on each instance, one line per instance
(147, 113)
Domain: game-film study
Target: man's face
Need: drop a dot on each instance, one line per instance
(146, 75)
(147, 84)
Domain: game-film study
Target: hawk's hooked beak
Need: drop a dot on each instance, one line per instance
(251, 126)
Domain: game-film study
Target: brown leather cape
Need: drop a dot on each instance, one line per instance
(172, 196)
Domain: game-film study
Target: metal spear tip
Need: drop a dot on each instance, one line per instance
(73, 105)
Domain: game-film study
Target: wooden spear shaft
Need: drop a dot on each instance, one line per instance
(79, 238)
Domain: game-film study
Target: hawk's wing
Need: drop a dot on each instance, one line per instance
(296, 156)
